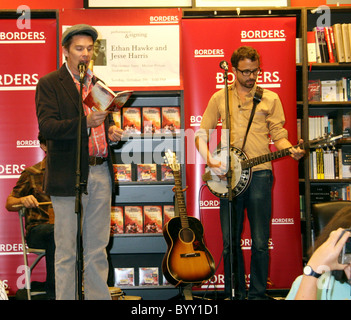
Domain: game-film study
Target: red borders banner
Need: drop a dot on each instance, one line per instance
(205, 43)
(29, 55)
(142, 46)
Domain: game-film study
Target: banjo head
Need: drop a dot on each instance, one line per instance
(240, 178)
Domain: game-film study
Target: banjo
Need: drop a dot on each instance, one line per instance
(241, 166)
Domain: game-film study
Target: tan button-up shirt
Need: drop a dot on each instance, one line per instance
(267, 123)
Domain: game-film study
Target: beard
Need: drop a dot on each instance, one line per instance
(247, 83)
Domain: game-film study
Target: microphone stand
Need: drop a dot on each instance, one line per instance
(229, 187)
(78, 200)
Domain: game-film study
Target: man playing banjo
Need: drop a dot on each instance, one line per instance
(267, 123)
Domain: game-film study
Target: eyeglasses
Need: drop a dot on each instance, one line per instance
(248, 72)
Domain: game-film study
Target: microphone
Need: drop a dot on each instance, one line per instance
(81, 68)
(224, 65)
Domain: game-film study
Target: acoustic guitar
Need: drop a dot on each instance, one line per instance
(241, 166)
(187, 260)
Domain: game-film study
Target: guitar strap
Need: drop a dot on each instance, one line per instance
(256, 100)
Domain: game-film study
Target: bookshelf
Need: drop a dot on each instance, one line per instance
(136, 248)
(312, 188)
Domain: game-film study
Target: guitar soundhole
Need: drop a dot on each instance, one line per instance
(186, 235)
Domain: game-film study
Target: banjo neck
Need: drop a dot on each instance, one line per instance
(242, 165)
(245, 164)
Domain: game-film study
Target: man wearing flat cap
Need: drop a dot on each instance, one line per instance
(57, 105)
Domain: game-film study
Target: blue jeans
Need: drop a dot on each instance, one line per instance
(257, 200)
(96, 219)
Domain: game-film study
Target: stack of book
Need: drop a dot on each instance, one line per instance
(319, 126)
(331, 164)
(329, 90)
(323, 124)
(329, 44)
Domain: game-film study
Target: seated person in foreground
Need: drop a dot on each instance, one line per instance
(325, 278)
(39, 221)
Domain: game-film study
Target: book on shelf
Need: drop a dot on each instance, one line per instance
(131, 120)
(116, 115)
(170, 119)
(346, 41)
(151, 120)
(147, 172)
(321, 45)
(122, 172)
(298, 50)
(339, 43)
(346, 125)
(117, 220)
(102, 98)
(331, 38)
(133, 219)
(148, 276)
(314, 90)
(346, 161)
(302, 207)
(311, 47)
(124, 277)
(168, 213)
(153, 219)
(329, 90)
(166, 173)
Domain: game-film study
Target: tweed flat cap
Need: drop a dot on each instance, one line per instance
(79, 29)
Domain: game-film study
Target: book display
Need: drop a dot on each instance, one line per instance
(140, 171)
(148, 120)
(140, 218)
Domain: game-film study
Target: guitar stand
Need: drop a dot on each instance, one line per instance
(187, 292)
(181, 190)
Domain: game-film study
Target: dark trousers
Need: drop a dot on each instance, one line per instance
(42, 237)
(257, 201)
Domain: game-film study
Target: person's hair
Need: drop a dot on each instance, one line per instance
(342, 219)
(243, 53)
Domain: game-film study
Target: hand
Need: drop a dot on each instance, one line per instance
(96, 118)
(217, 168)
(115, 133)
(297, 153)
(29, 201)
(326, 256)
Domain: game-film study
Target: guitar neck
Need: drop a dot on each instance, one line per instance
(180, 200)
(245, 164)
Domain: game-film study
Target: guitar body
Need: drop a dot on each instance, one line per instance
(187, 259)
